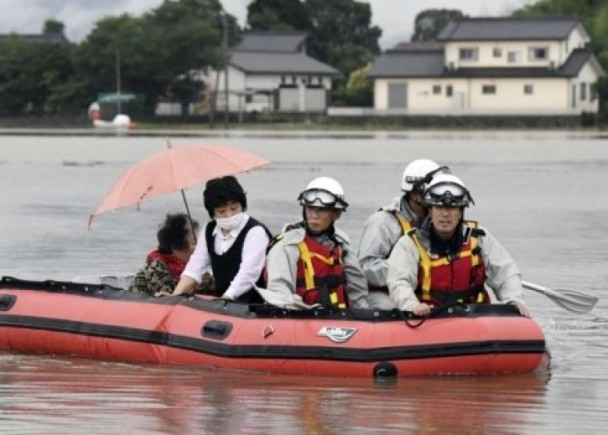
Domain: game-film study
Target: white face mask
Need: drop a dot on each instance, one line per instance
(230, 223)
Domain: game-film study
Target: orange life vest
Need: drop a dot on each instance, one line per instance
(460, 277)
(320, 274)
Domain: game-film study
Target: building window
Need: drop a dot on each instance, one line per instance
(283, 80)
(528, 89)
(514, 57)
(469, 53)
(449, 91)
(293, 80)
(497, 52)
(436, 89)
(249, 98)
(488, 89)
(538, 53)
(583, 91)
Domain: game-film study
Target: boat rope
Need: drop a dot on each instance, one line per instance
(414, 321)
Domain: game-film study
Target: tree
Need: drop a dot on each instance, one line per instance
(430, 22)
(346, 39)
(359, 90)
(29, 72)
(158, 51)
(277, 15)
(52, 27)
(600, 34)
(186, 89)
(588, 10)
(120, 38)
(582, 8)
(338, 26)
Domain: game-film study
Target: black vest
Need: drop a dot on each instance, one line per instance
(226, 266)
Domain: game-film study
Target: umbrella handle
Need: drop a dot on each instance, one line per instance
(189, 215)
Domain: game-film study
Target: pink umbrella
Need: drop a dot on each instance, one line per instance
(173, 169)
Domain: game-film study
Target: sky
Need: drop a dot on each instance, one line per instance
(394, 17)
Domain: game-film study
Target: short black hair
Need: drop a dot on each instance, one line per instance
(173, 233)
(221, 191)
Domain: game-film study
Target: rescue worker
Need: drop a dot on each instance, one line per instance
(312, 261)
(383, 228)
(447, 259)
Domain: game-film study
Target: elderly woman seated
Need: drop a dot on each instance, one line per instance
(164, 266)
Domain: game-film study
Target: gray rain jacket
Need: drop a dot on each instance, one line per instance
(380, 233)
(503, 276)
(282, 261)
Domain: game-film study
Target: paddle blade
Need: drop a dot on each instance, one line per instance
(568, 299)
(575, 301)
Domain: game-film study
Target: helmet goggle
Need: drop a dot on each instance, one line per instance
(419, 184)
(321, 198)
(449, 195)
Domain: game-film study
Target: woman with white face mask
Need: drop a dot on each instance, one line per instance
(233, 245)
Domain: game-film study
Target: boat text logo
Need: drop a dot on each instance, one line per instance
(336, 334)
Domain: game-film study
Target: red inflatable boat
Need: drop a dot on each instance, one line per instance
(103, 322)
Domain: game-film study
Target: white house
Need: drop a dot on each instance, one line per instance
(270, 71)
(492, 66)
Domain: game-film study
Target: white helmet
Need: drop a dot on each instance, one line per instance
(447, 190)
(323, 192)
(418, 173)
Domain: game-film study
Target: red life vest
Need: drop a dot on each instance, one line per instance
(320, 274)
(459, 277)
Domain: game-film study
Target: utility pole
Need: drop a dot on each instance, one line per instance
(118, 102)
(226, 61)
(213, 107)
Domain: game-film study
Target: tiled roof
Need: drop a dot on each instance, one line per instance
(408, 64)
(279, 63)
(577, 59)
(431, 64)
(418, 46)
(49, 38)
(512, 72)
(515, 28)
(291, 42)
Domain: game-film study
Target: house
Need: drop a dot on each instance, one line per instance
(38, 38)
(272, 71)
(492, 66)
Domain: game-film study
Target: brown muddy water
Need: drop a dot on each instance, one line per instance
(543, 194)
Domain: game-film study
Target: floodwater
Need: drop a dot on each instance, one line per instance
(543, 194)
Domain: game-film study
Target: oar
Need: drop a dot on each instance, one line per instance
(568, 299)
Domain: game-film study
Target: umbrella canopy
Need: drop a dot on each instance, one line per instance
(173, 169)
